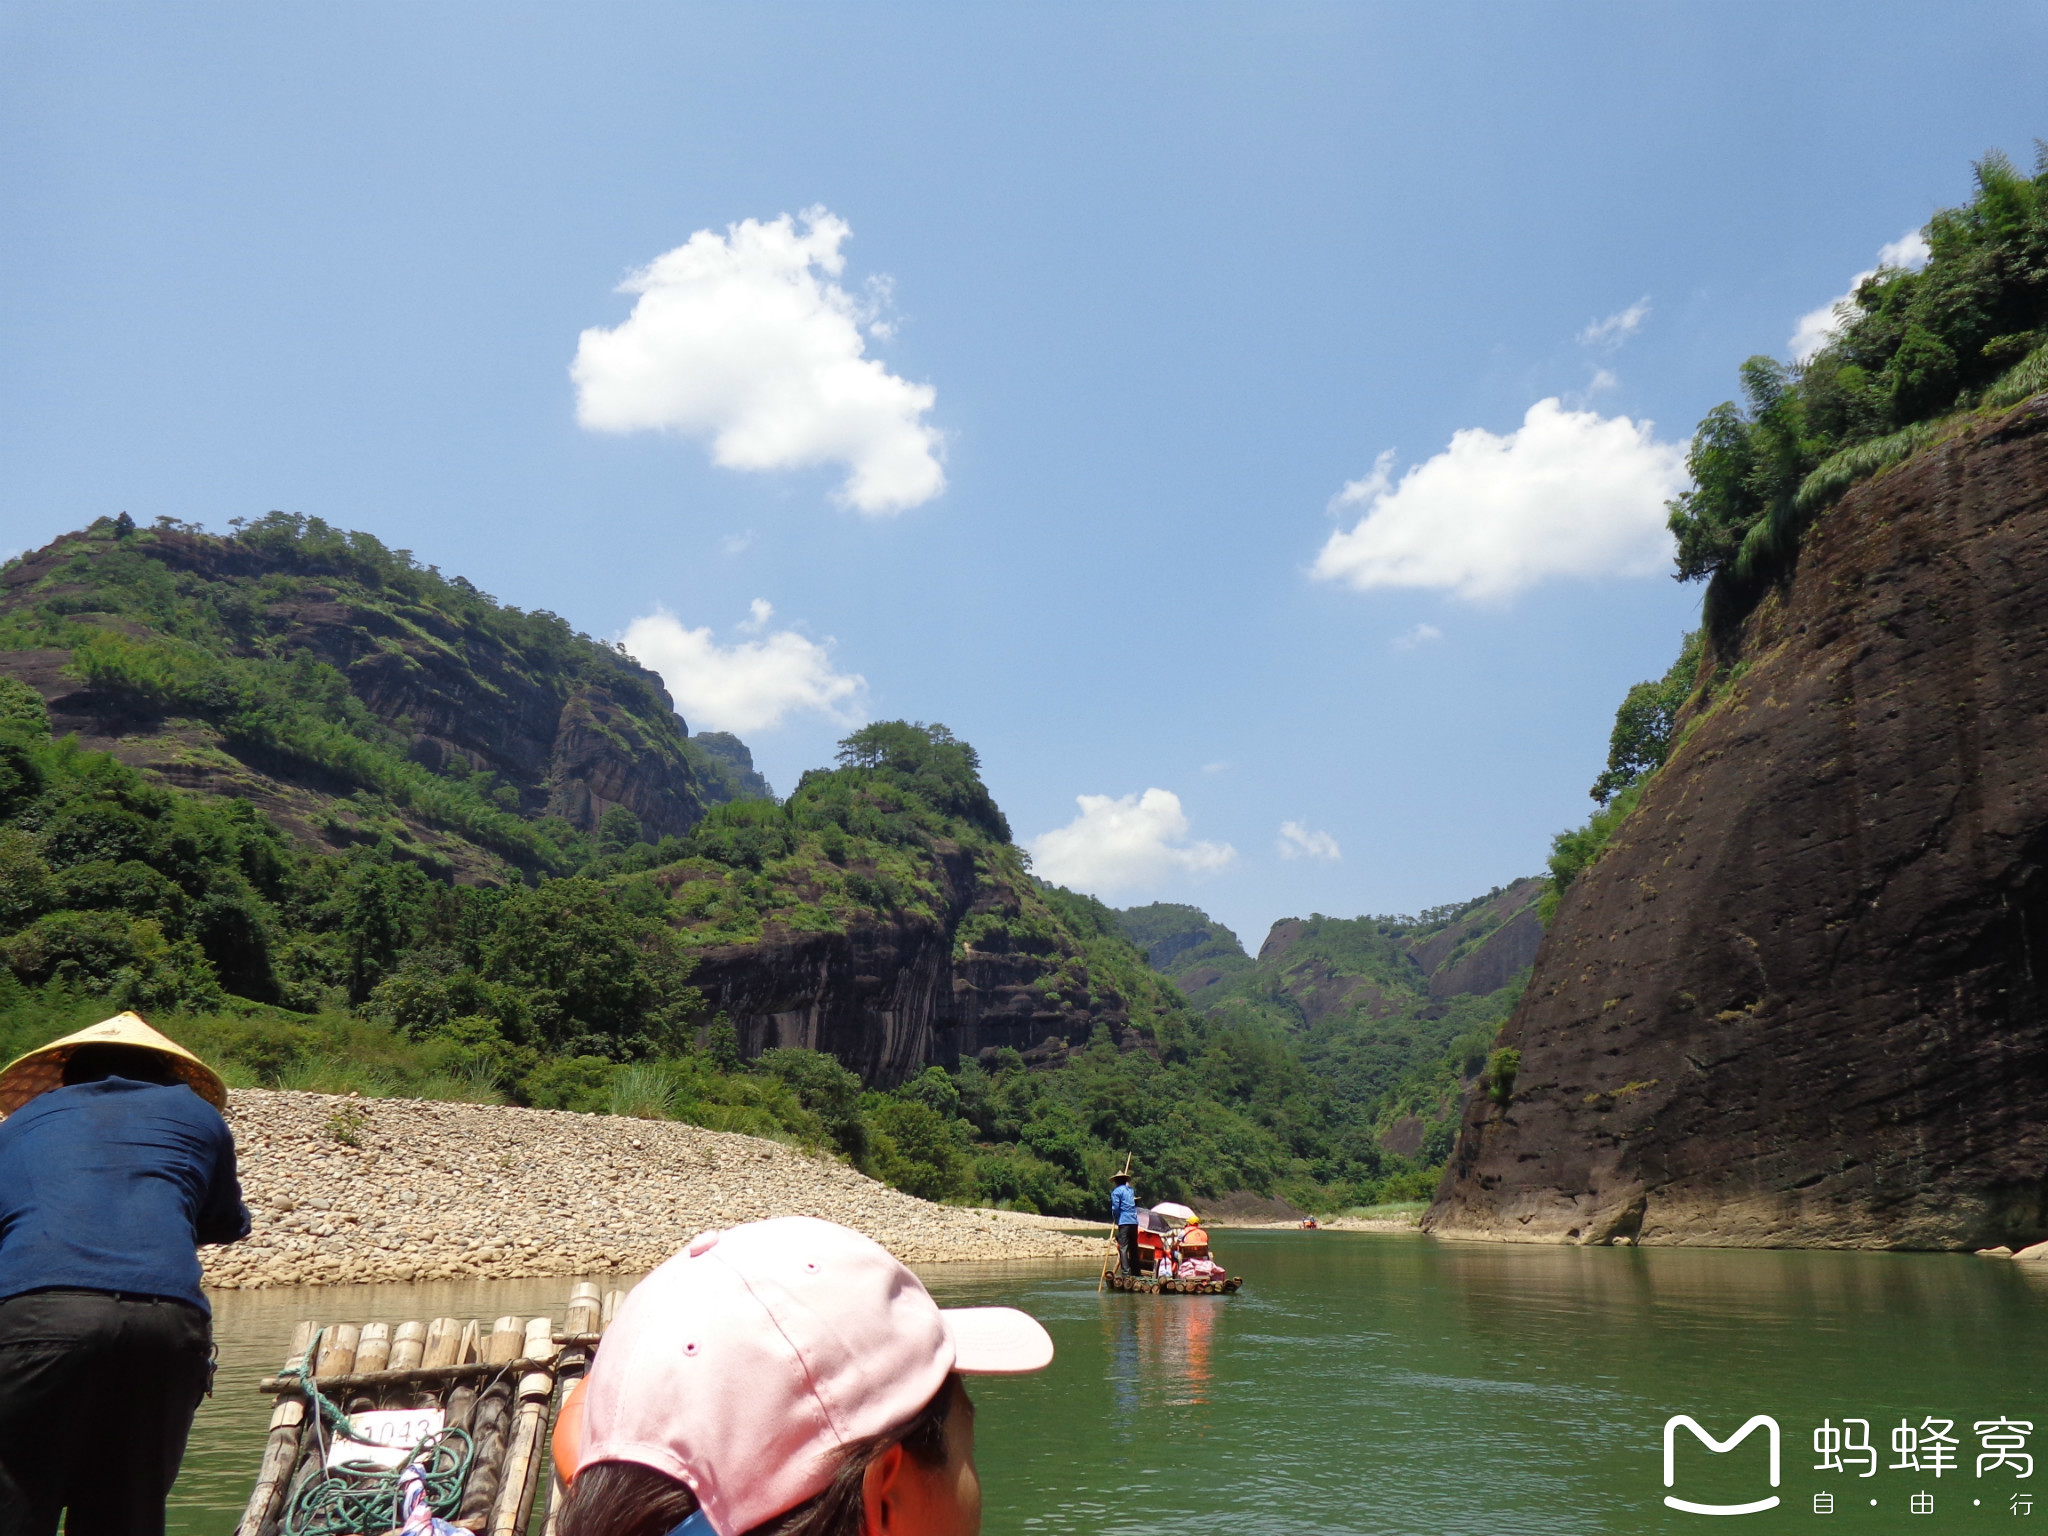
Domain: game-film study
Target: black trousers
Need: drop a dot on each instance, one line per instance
(1127, 1245)
(97, 1394)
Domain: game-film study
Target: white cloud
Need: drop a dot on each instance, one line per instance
(1909, 250)
(1617, 327)
(1358, 493)
(745, 338)
(759, 612)
(1421, 634)
(1215, 767)
(1817, 327)
(1298, 842)
(1569, 493)
(737, 543)
(1138, 842)
(750, 685)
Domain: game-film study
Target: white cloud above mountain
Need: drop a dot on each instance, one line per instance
(750, 685)
(1567, 494)
(1297, 841)
(747, 338)
(1817, 327)
(1132, 843)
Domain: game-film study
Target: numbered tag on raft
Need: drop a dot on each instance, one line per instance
(391, 1432)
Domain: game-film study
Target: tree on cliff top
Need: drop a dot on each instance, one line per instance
(931, 762)
(1969, 329)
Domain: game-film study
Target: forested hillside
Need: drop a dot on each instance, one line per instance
(1391, 1018)
(354, 695)
(341, 822)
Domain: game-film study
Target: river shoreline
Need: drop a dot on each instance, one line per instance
(346, 1190)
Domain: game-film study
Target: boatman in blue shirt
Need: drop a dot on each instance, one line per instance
(115, 1165)
(1123, 1210)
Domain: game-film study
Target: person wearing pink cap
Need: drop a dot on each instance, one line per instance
(787, 1378)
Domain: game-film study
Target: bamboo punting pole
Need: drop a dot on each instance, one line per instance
(586, 1315)
(408, 1346)
(461, 1406)
(441, 1375)
(444, 1339)
(338, 1350)
(502, 1346)
(586, 1310)
(373, 1354)
(308, 1468)
(280, 1450)
(515, 1492)
(490, 1427)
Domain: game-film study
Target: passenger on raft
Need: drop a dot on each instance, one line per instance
(785, 1378)
(1191, 1254)
(1123, 1215)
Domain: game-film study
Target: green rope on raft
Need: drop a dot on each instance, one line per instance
(358, 1497)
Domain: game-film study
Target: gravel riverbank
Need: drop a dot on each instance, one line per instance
(434, 1191)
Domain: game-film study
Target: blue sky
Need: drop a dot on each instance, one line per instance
(1172, 276)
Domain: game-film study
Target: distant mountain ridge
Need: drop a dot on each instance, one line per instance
(1395, 1014)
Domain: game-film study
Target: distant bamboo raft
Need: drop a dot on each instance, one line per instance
(1118, 1281)
(501, 1383)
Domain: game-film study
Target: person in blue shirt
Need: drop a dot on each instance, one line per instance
(1123, 1211)
(115, 1165)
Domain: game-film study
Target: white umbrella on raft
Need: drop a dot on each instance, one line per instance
(1173, 1209)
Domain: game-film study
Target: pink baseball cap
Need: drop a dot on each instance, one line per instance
(745, 1362)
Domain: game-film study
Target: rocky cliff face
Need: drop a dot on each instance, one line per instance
(895, 993)
(1802, 998)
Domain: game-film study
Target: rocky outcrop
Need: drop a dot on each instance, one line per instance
(1802, 997)
(1487, 947)
(895, 992)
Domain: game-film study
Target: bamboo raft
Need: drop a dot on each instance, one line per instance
(501, 1383)
(1116, 1280)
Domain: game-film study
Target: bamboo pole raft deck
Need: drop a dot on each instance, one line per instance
(501, 1383)
(1151, 1286)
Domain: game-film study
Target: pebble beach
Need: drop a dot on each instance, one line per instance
(347, 1190)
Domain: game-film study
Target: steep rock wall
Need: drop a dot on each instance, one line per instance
(890, 997)
(1802, 998)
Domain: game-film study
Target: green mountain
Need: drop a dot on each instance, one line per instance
(1393, 1017)
(1185, 944)
(353, 695)
(340, 822)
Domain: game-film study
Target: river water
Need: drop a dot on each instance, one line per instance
(1390, 1383)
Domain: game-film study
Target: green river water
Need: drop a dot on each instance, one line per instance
(1391, 1383)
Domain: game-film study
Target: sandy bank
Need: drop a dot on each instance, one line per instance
(434, 1191)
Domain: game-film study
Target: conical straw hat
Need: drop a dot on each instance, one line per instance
(42, 1069)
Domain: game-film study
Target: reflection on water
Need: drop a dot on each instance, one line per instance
(1377, 1383)
(1159, 1354)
